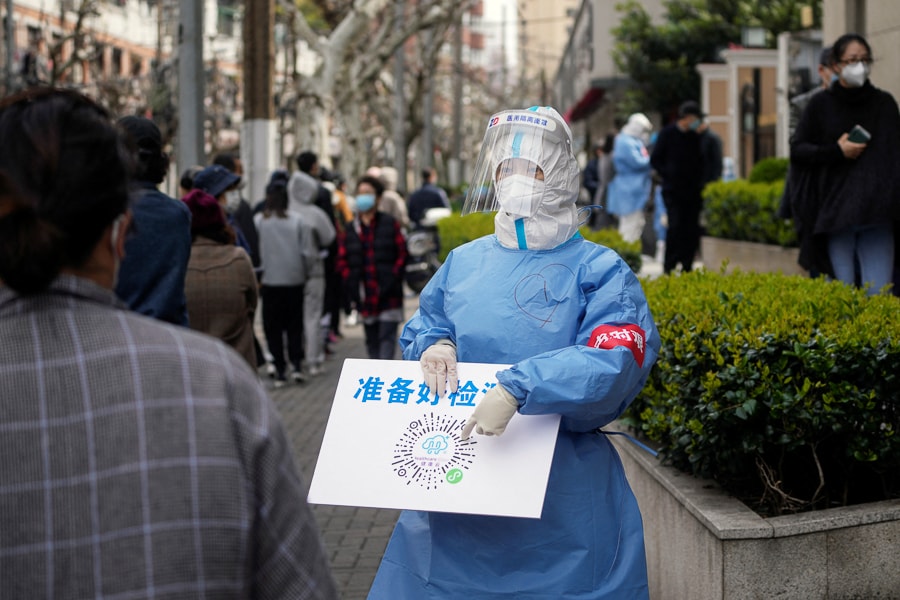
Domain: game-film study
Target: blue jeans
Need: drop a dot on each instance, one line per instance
(870, 248)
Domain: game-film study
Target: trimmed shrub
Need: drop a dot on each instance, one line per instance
(744, 211)
(456, 231)
(769, 170)
(784, 390)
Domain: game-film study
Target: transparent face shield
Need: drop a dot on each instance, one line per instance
(526, 158)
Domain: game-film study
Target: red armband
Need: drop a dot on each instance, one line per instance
(611, 336)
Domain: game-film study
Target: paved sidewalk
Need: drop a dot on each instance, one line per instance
(355, 538)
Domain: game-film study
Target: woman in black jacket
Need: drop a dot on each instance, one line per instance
(845, 194)
(372, 261)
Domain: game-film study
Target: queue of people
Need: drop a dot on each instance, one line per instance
(142, 459)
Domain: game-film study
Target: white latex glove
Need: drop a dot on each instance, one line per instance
(492, 414)
(439, 366)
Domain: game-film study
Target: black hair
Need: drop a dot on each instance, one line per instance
(306, 161)
(226, 160)
(837, 48)
(187, 178)
(143, 139)
(426, 174)
(609, 143)
(276, 199)
(64, 175)
(375, 182)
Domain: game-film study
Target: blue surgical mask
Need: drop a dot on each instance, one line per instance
(695, 124)
(365, 202)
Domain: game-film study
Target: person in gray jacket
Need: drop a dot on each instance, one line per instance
(318, 235)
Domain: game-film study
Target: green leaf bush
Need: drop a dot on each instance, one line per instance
(769, 170)
(745, 211)
(784, 390)
(456, 231)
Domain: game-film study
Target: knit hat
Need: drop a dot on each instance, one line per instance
(206, 212)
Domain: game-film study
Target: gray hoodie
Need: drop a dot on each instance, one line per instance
(302, 190)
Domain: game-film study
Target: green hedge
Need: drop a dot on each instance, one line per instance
(769, 170)
(744, 211)
(456, 231)
(784, 390)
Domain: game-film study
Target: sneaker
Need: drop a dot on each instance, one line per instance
(298, 376)
(280, 382)
(316, 370)
(353, 318)
(271, 370)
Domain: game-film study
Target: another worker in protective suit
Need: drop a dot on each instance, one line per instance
(572, 320)
(629, 190)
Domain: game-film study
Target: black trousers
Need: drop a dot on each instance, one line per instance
(683, 232)
(282, 315)
(381, 339)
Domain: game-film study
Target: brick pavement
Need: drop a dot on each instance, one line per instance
(355, 538)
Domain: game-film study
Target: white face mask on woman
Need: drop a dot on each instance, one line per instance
(232, 200)
(855, 74)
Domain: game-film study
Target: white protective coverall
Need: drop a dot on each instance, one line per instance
(573, 322)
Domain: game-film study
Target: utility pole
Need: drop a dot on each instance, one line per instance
(428, 112)
(400, 105)
(258, 150)
(454, 164)
(191, 149)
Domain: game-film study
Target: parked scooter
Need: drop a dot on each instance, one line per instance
(423, 247)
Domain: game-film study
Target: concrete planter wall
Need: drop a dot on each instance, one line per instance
(705, 545)
(749, 256)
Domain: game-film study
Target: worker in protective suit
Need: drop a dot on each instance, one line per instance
(572, 320)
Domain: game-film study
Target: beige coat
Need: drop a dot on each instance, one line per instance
(221, 292)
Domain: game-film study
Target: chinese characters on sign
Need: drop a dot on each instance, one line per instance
(372, 389)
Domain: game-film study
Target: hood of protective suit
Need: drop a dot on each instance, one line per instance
(540, 136)
(302, 189)
(638, 126)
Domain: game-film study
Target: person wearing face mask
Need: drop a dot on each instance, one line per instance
(845, 194)
(371, 261)
(217, 181)
(677, 158)
(571, 319)
(238, 208)
(629, 190)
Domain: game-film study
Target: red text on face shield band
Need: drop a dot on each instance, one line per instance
(610, 336)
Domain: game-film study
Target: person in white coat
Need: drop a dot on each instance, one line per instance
(629, 190)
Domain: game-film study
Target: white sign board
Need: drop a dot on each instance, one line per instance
(389, 444)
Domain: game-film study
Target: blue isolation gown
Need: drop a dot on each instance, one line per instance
(570, 321)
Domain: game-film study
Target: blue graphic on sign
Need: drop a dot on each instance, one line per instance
(436, 444)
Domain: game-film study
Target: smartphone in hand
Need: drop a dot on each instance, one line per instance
(859, 135)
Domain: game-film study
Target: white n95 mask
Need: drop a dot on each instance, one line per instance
(520, 195)
(855, 74)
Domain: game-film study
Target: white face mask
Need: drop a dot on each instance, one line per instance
(855, 74)
(520, 195)
(232, 200)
